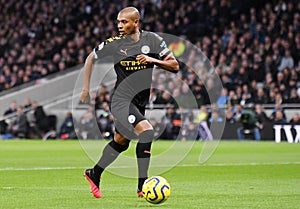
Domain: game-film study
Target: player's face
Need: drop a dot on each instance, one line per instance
(126, 24)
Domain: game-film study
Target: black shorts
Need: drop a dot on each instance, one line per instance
(127, 116)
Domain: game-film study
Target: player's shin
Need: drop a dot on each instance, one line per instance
(143, 154)
(110, 153)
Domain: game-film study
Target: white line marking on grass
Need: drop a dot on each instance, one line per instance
(7, 187)
(252, 164)
(156, 166)
(39, 168)
(55, 188)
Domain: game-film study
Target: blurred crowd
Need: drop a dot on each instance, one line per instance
(27, 120)
(254, 47)
(30, 121)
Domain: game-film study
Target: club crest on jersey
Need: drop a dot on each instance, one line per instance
(145, 49)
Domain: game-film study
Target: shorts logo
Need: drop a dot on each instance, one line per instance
(131, 119)
(145, 49)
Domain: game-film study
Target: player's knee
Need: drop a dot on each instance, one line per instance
(120, 139)
(143, 147)
(146, 136)
(143, 126)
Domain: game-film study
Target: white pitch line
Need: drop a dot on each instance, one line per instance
(39, 168)
(252, 164)
(154, 166)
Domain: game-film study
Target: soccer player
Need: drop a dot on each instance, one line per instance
(135, 52)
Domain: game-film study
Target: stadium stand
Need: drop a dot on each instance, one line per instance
(253, 45)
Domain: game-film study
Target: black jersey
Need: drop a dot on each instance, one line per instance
(133, 78)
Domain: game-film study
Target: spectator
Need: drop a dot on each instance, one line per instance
(242, 76)
(260, 97)
(200, 121)
(287, 61)
(202, 115)
(40, 123)
(152, 98)
(276, 109)
(105, 122)
(279, 117)
(67, 129)
(12, 108)
(87, 124)
(262, 117)
(189, 132)
(27, 103)
(295, 119)
(199, 92)
(99, 101)
(284, 94)
(172, 123)
(247, 99)
(165, 98)
(2, 83)
(280, 79)
(278, 98)
(6, 124)
(211, 91)
(186, 98)
(257, 72)
(272, 97)
(232, 99)
(157, 127)
(20, 125)
(222, 100)
(229, 116)
(294, 98)
(238, 111)
(215, 118)
(250, 125)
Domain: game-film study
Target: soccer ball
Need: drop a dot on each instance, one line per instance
(156, 189)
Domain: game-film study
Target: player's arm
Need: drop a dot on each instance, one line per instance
(99, 52)
(169, 62)
(88, 68)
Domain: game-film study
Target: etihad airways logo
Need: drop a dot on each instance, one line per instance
(133, 65)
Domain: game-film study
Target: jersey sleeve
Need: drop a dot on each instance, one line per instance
(104, 49)
(161, 48)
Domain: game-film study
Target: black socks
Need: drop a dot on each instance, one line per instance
(143, 154)
(110, 153)
(143, 148)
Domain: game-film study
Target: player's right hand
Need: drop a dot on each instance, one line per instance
(85, 96)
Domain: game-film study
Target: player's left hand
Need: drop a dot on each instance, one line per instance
(144, 59)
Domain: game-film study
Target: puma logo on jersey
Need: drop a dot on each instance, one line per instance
(123, 51)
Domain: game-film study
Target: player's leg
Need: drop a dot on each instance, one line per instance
(143, 151)
(145, 133)
(110, 153)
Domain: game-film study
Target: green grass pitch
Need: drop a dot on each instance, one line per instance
(48, 174)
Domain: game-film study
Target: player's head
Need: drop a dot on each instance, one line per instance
(128, 21)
